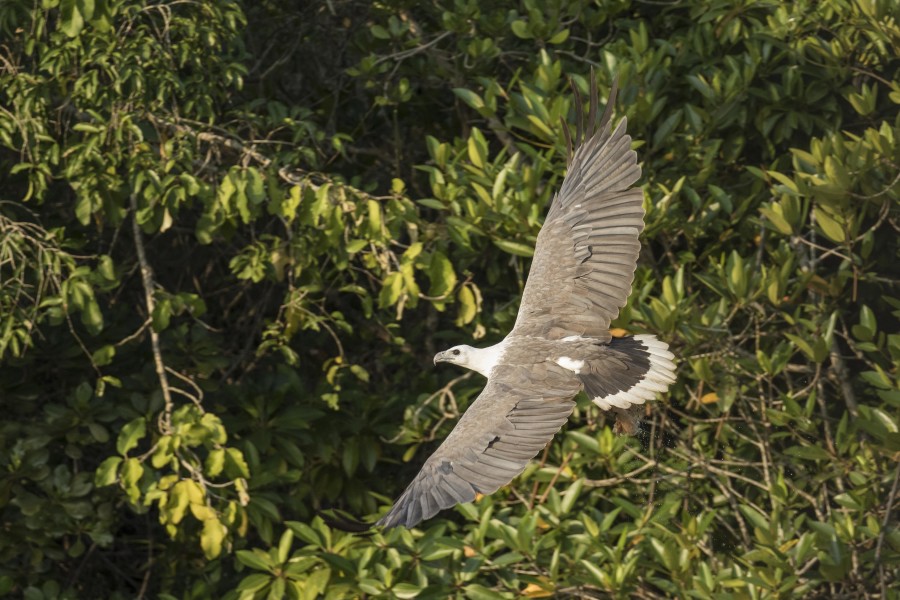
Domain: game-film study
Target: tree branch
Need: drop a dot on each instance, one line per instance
(147, 280)
(840, 372)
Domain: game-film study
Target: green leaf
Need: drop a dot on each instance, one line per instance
(516, 248)
(848, 501)
(468, 308)
(360, 373)
(162, 313)
(305, 532)
(803, 345)
(432, 203)
(235, 465)
(758, 520)
(376, 219)
(317, 582)
(256, 559)
(163, 453)
(178, 502)
(830, 225)
(277, 591)
(541, 125)
(284, 545)
(865, 330)
(288, 207)
(774, 215)
(91, 317)
(380, 32)
(354, 246)
(132, 472)
(104, 355)
(71, 21)
(737, 279)
(371, 586)
(441, 275)
(86, 7)
(584, 441)
(599, 578)
(520, 29)
(99, 432)
(475, 591)
(877, 378)
(470, 98)
(789, 185)
(254, 582)
(215, 462)
(256, 187)
(405, 590)
(808, 452)
(700, 84)
(211, 538)
(391, 289)
(667, 127)
(559, 37)
(477, 149)
(571, 495)
(350, 457)
(131, 434)
(107, 472)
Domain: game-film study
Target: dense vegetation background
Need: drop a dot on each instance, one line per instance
(232, 235)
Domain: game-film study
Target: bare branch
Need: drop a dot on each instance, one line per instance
(147, 279)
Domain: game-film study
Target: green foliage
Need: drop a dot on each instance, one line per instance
(232, 235)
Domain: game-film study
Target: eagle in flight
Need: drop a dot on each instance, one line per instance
(580, 277)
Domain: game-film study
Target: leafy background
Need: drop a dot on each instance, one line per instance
(233, 234)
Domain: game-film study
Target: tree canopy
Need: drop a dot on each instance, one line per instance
(233, 235)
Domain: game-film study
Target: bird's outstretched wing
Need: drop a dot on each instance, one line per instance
(580, 277)
(513, 418)
(587, 249)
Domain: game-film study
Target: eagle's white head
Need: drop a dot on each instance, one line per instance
(481, 360)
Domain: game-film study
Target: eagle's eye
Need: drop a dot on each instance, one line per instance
(455, 352)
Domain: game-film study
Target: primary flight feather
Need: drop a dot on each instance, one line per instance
(580, 277)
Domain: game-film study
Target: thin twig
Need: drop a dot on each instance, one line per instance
(556, 475)
(136, 334)
(403, 55)
(198, 399)
(617, 480)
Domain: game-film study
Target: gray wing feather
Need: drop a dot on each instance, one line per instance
(588, 247)
(508, 424)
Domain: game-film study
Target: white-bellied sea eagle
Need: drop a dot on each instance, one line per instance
(580, 277)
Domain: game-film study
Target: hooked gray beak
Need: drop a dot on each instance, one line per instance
(440, 357)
